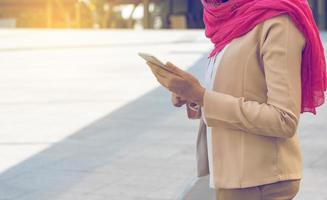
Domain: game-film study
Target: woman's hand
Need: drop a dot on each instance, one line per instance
(182, 83)
(177, 100)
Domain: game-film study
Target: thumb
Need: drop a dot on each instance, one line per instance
(176, 70)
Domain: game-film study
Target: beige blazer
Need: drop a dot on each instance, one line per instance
(254, 108)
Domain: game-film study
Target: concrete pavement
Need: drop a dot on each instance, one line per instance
(83, 118)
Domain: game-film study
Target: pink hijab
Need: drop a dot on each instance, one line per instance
(237, 17)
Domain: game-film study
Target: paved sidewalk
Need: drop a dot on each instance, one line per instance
(83, 118)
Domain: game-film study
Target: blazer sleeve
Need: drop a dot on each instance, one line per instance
(281, 45)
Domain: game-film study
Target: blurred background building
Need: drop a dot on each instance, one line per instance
(319, 8)
(101, 14)
(157, 14)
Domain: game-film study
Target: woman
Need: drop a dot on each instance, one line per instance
(267, 68)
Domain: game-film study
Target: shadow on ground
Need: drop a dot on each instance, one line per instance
(79, 165)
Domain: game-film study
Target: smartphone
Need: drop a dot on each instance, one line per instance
(152, 59)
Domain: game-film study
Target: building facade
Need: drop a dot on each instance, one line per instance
(319, 9)
(76, 14)
(40, 13)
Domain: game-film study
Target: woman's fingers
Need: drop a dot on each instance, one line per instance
(159, 74)
(161, 77)
(178, 101)
(167, 79)
(176, 70)
(179, 82)
(158, 70)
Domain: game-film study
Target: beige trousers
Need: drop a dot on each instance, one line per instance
(284, 190)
